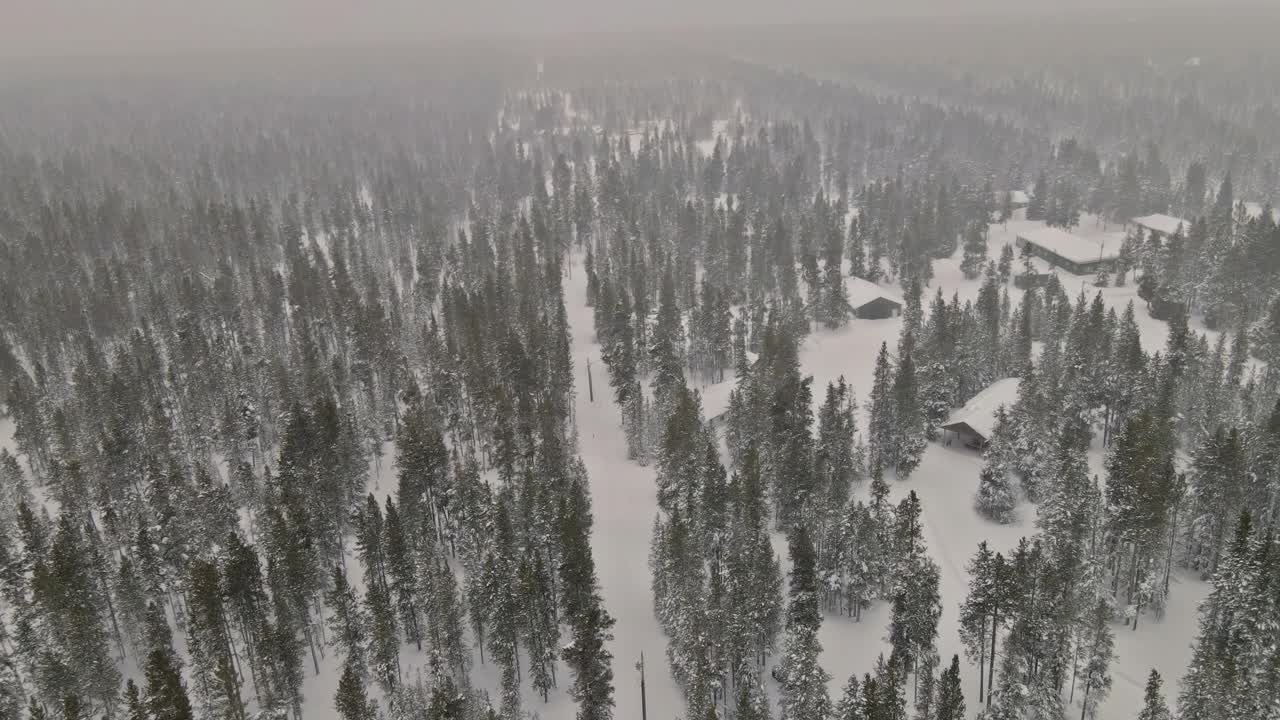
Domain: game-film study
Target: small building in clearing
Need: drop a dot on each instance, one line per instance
(1017, 199)
(1160, 226)
(870, 301)
(975, 423)
(1072, 253)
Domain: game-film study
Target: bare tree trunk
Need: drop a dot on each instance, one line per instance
(991, 672)
(982, 658)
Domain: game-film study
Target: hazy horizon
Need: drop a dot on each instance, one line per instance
(143, 27)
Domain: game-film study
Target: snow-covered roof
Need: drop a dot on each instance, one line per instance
(1072, 247)
(1253, 210)
(1163, 224)
(862, 292)
(1017, 197)
(980, 412)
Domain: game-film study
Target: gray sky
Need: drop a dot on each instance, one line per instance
(93, 27)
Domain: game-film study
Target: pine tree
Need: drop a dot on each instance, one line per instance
(975, 252)
(589, 660)
(917, 608)
(909, 430)
(347, 623)
(1153, 704)
(400, 572)
(950, 695)
(166, 694)
(78, 660)
(849, 706)
(667, 348)
(995, 499)
(1099, 652)
(217, 686)
(351, 701)
(445, 615)
(983, 611)
(1004, 269)
(882, 426)
(447, 702)
(751, 703)
(1038, 206)
(542, 630)
(384, 638)
(133, 705)
(804, 682)
(586, 654)
(857, 253)
(803, 610)
(927, 692)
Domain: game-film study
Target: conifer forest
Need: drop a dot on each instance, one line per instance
(875, 372)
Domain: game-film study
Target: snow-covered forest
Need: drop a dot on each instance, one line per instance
(708, 378)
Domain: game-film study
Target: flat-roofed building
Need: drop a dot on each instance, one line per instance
(1076, 255)
(1161, 225)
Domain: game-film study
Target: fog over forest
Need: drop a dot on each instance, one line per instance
(79, 27)
(485, 360)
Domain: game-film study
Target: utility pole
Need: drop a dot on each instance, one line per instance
(591, 390)
(644, 705)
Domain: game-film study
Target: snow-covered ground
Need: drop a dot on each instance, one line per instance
(624, 506)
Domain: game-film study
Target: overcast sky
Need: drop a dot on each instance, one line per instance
(92, 27)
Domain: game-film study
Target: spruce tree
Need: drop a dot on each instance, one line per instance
(134, 708)
(909, 426)
(347, 625)
(995, 499)
(1099, 652)
(950, 694)
(400, 572)
(975, 251)
(849, 707)
(351, 701)
(1153, 704)
(77, 658)
(804, 682)
(883, 425)
(384, 638)
(166, 694)
(803, 610)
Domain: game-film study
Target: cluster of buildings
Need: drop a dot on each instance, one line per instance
(1059, 248)
(1089, 256)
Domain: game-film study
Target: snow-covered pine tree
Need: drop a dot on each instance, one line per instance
(975, 251)
(1095, 675)
(384, 636)
(849, 706)
(1153, 703)
(165, 695)
(804, 682)
(347, 625)
(995, 499)
(981, 608)
(950, 704)
(909, 434)
(216, 680)
(352, 701)
(882, 425)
